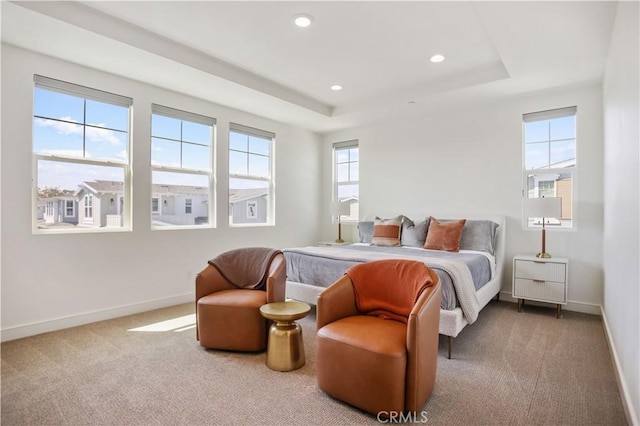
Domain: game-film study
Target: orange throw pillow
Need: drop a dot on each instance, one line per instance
(444, 236)
(386, 232)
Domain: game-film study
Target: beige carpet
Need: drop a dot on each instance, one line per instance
(507, 368)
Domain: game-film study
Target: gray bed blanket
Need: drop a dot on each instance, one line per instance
(322, 266)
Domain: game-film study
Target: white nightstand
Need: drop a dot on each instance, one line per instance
(543, 280)
(330, 244)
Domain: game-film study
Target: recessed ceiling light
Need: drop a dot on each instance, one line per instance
(302, 20)
(336, 87)
(437, 58)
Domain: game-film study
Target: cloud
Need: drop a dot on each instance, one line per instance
(62, 127)
(95, 134)
(70, 126)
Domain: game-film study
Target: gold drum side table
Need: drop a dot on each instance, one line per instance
(285, 348)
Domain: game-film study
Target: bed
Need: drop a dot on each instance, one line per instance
(470, 278)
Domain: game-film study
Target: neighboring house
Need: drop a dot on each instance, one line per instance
(179, 205)
(248, 205)
(58, 210)
(554, 184)
(354, 208)
(100, 204)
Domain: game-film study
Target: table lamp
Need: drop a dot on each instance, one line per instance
(545, 208)
(340, 209)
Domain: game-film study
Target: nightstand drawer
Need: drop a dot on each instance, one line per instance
(545, 271)
(548, 291)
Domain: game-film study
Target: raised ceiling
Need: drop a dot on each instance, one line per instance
(249, 55)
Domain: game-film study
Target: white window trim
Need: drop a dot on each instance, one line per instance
(88, 207)
(573, 170)
(209, 173)
(97, 95)
(270, 180)
(336, 185)
(73, 208)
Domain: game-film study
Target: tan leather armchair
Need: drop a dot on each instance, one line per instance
(378, 365)
(228, 317)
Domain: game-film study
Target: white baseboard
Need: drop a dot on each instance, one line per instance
(632, 417)
(18, 332)
(586, 308)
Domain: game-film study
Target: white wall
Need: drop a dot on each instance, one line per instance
(469, 162)
(53, 281)
(622, 202)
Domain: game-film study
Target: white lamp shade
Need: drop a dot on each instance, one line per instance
(340, 209)
(547, 207)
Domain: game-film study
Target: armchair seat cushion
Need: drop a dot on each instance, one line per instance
(360, 359)
(233, 320)
(236, 298)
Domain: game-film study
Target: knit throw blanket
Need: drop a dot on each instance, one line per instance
(389, 288)
(245, 267)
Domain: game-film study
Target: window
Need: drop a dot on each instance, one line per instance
(250, 176)
(80, 140)
(88, 208)
(69, 208)
(182, 146)
(550, 160)
(346, 177)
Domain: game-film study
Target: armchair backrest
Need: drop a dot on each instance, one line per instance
(277, 279)
(211, 280)
(335, 302)
(338, 301)
(390, 288)
(422, 336)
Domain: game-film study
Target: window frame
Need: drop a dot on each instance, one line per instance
(209, 173)
(339, 146)
(66, 207)
(552, 174)
(88, 208)
(85, 93)
(270, 179)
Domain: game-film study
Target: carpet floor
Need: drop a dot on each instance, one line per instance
(508, 368)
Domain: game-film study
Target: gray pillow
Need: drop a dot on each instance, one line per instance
(365, 229)
(414, 235)
(479, 235)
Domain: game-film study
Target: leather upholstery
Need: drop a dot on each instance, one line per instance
(375, 364)
(228, 317)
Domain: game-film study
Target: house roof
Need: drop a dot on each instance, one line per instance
(109, 187)
(104, 186)
(238, 195)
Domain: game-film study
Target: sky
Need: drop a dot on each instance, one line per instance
(548, 142)
(71, 126)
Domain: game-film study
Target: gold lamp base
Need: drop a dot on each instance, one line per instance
(543, 253)
(339, 240)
